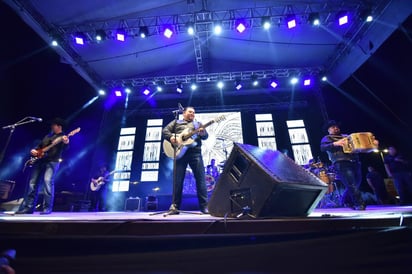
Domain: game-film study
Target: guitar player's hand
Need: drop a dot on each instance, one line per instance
(173, 140)
(202, 131)
(34, 152)
(65, 139)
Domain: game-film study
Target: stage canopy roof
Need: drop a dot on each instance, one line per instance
(206, 57)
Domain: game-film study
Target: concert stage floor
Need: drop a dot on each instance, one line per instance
(193, 222)
(337, 240)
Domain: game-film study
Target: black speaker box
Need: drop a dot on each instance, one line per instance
(264, 183)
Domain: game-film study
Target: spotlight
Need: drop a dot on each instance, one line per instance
(217, 29)
(266, 22)
(220, 84)
(324, 79)
(291, 21)
(240, 26)
(121, 35)
(366, 16)
(179, 88)
(314, 18)
(255, 81)
(128, 90)
(100, 35)
(118, 93)
(54, 43)
(168, 32)
(193, 86)
(143, 31)
(191, 29)
(79, 38)
(102, 92)
(294, 80)
(159, 85)
(343, 18)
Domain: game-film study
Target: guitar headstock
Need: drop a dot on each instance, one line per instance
(220, 118)
(73, 132)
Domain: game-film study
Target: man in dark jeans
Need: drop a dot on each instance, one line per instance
(347, 165)
(377, 184)
(398, 168)
(48, 166)
(192, 157)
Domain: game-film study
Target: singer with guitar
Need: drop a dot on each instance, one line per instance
(192, 157)
(48, 165)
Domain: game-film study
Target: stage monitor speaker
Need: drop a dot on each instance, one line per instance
(264, 183)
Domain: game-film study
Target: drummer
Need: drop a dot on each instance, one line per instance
(212, 169)
(347, 165)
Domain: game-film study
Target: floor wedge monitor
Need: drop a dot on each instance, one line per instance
(264, 183)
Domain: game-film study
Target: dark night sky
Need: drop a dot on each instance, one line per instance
(34, 82)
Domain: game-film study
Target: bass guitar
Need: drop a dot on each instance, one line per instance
(185, 140)
(41, 152)
(96, 184)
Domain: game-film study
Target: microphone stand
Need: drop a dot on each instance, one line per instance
(177, 211)
(12, 127)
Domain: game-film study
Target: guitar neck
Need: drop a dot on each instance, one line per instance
(55, 142)
(202, 126)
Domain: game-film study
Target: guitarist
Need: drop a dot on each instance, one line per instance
(192, 157)
(98, 197)
(48, 165)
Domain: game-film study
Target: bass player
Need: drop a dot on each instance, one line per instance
(191, 157)
(48, 165)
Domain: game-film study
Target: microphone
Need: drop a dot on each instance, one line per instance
(36, 119)
(181, 108)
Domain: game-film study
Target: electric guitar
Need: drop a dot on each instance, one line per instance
(41, 152)
(185, 140)
(96, 184)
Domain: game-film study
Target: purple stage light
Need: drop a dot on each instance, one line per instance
(273, 84)
(238, 86)
(291, 21)
(118, 93)
(79, 40)
(343, 18)
(240, 27)
(146, 91)
(121, 35)
(168, 32)
(306, 82)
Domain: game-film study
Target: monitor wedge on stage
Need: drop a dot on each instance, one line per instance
(264, 183)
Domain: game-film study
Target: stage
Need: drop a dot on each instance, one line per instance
(338, 240)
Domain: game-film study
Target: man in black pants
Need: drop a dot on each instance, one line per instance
(192, 157)
(48, 166)
(347, 165)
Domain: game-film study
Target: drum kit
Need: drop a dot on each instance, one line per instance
(327, 175)
(189, 184)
